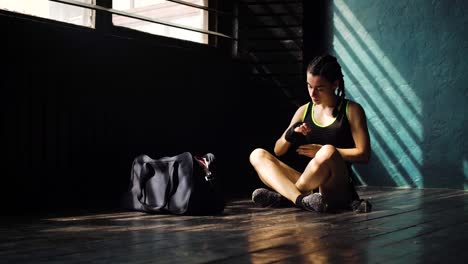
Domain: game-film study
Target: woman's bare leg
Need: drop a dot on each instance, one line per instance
(327, 171)
(275, 173)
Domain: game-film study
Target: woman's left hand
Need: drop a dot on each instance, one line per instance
(308, 150)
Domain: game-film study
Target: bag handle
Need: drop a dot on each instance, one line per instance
(205, 161)
(170, 187)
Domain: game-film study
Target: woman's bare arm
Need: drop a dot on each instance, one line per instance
(281, 145)
(357, 121)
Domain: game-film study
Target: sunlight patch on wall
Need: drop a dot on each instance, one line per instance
(387, 90)
(376, 125)
(392, 107)
(373, 48)
(360, 179)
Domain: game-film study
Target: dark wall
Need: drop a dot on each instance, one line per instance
(78, 105)
(271, 42)
(317, 29)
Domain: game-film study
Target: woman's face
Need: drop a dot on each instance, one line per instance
(320, 89)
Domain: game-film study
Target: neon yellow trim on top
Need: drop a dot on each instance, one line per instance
(305, 112)
(347, 104)
(316, 123)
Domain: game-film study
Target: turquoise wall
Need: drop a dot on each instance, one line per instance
(406, 62)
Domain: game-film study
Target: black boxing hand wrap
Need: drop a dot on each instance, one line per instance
(292, 136)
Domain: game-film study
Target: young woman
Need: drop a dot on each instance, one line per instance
(332, 132)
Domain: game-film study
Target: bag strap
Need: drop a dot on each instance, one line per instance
(170, 188)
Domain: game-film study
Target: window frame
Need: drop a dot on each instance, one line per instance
(103, 24)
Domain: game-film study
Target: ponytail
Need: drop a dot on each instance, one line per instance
(341, 98)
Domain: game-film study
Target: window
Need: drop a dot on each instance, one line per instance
(53, 10)
(181, 19)
(165, 11)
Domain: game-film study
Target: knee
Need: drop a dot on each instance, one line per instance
(303, 186)
(258, 155)
(325, 153)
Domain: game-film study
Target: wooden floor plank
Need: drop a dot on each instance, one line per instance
(383, 227)
(406, 224)
(382, 245)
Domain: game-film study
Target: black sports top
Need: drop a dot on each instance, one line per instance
(338, 133)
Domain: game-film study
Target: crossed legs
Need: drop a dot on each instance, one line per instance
(327, 171)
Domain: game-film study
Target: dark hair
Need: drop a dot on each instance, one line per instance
(327, 66)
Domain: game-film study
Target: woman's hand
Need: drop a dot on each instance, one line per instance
(303, 129)
(308, 150)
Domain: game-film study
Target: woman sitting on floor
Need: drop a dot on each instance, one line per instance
(332, 132)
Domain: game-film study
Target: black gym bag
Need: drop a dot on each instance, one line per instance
(182, 184)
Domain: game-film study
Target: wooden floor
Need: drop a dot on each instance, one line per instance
(406, 226)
